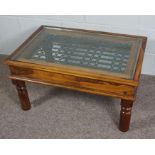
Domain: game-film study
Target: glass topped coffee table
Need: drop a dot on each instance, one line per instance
(89, 61)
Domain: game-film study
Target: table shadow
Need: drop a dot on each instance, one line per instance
(47, 96)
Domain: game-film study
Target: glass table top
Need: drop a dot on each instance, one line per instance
(97, 52)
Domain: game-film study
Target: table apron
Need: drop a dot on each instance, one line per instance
(84, 84)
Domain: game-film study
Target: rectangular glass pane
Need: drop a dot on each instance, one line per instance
(109, 54)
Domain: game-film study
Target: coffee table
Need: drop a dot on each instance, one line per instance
(89, 61)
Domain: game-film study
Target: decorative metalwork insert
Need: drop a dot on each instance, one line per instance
(106, 55)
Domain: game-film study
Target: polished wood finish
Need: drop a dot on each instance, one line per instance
(140, 61)
(81, 80)
(125, 115)
(22, 93)
(71, 71)
(85, 84)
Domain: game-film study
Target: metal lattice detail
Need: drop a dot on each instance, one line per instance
(103, 55)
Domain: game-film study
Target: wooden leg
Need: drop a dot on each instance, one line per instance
(125, 115)
(22, 93)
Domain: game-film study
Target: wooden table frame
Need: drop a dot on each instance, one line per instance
(122, 88)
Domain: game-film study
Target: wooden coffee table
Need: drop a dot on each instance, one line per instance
(89, 61)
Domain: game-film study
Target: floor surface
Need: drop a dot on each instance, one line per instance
(60, 113)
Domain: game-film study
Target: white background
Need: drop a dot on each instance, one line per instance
(15, 29)
(77, 147)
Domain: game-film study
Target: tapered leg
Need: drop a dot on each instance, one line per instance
(125, 115)
(22, 93)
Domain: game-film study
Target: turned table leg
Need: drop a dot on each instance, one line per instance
(22, 93)
(125, 115)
